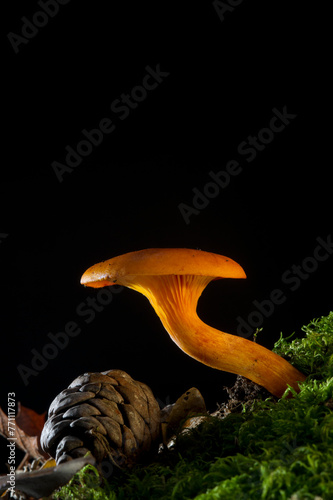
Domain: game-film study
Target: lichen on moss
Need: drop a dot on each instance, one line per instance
(267, 450)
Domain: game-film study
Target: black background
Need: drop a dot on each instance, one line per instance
(224, 79)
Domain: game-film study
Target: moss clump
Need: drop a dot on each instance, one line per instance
(87, 484)
(313, 354)
(269, 450)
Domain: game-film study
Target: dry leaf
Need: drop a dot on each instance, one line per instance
(29, 421)
(42, 483)
(25, 442)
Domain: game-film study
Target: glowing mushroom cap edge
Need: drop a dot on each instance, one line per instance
(159, 262)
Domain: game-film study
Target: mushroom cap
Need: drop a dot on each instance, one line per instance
(161, 262)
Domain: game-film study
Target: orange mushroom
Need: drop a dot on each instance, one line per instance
(173, 280)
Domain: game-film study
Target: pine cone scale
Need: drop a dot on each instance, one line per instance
(69, 443)
(107, 407)
(129, 442)
(54, 429)
(135, 422)
(113, 430)
(138, 400)
(84, 410)
(69, 400)
(153, 416)
(62, 395)
(95, 387)
(89, 423)
(89, 378)
(110, 393)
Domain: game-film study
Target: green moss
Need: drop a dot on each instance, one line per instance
(314, 353)
(273, 450)
(87, 484)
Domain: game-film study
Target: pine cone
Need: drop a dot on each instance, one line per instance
(109, 414)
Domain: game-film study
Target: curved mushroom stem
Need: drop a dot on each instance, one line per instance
(175, 297)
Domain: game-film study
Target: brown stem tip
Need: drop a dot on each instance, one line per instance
(173, 280)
